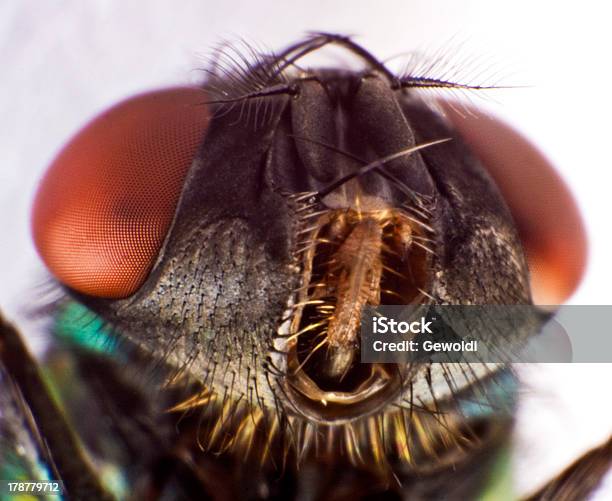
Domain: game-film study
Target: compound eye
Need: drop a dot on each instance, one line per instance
(106, 203)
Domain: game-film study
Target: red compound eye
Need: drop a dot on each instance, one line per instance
(106, 203)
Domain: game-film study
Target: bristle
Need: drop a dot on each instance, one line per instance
(197, 400)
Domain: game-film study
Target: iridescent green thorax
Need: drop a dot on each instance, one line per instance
(76, 324)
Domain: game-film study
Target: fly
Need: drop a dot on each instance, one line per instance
(216, 249)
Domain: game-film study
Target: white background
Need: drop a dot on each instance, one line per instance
(61, 62)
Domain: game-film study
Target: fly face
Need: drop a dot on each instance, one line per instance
(270, 208)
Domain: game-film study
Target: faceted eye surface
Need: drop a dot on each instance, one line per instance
(105, 205)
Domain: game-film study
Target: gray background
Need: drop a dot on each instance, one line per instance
(63, 61)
